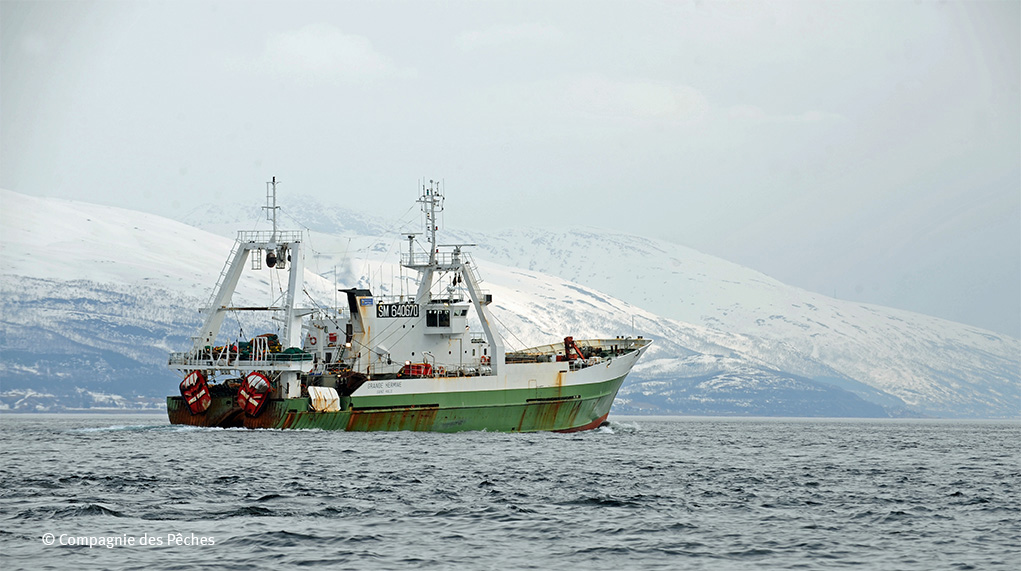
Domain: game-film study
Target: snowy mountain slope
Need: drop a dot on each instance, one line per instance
(58, 335)
(72, 240)
(929, 363)
(713, 385)
(756, 347)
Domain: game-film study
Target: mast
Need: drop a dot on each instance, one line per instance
(430, 199)
(457, 262)
(271, 206)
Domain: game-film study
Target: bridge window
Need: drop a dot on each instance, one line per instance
(437, 318)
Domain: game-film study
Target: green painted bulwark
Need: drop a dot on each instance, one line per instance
(522, 410)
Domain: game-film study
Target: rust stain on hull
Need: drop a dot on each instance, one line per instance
(549, 415)
(272, 416)
(417, 419)
(216, 416)
(566, 413)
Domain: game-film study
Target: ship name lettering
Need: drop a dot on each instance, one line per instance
(387, 310)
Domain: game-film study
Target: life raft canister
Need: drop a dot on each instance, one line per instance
(195, 391)
(254, 393)
(417, 370)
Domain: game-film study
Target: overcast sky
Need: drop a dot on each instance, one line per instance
(867, 150)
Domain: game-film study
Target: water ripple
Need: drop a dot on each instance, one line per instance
(634, 494)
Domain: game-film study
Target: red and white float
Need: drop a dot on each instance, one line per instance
(254, 393)
(195, 391)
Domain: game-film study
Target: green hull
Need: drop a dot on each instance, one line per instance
(569, 408)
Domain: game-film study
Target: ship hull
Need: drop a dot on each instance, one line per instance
(559, 408)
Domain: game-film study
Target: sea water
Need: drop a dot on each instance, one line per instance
(132, 492)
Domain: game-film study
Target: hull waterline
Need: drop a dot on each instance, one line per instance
(567, 409)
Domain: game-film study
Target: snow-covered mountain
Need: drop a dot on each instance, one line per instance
(94, 297)
(929, 363)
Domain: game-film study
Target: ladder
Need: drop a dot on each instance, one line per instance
(223, 274)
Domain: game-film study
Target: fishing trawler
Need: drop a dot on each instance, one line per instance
(388, 362)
